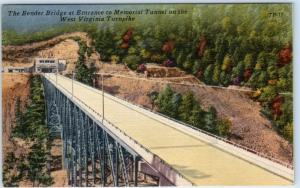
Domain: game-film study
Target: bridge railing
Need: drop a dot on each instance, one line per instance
(132, 139)
(263, 155)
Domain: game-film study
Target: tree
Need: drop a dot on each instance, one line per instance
(227, 24)
(153, 97)
(104, 43)
(227, 63)
(165, 102)
(248, 61)
(186, 106)
(288, 132)
(132, 61)
(10, 179)
(268, 94)
(216, 74)
(83, 74)
(114, 59)
(223, 126)
(210, 118)
(237, 73)
(208, 74)
(262, 79)
(225, 78)
(36, 164)
(176, 102)
(196, 117)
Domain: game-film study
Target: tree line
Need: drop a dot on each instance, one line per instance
(221, 45)
(30, 127)
(83, 73)
(187, 109)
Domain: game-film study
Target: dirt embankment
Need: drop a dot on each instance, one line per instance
(249, 129)
(61, 47)
(13, 86)
(11, 52)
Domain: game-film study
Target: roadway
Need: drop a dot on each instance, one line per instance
(200, 162)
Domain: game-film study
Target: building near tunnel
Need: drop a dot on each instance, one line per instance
(49, 65)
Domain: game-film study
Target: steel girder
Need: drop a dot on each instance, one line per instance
(91, 155)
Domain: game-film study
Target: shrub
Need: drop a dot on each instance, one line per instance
(288, 132)
(132, 61)
(223, 126)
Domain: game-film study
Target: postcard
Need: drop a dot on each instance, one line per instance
(147, 94)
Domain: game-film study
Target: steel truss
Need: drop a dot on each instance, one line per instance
(90, 153)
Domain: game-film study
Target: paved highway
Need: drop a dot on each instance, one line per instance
(200, 162)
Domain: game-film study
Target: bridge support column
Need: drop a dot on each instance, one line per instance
(136, 164)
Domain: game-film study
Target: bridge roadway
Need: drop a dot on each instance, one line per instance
(200, 162)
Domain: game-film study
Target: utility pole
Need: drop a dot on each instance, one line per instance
(56, 74)
(102, 97)
(72, 84)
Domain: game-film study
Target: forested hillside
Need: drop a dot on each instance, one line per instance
(243, 44)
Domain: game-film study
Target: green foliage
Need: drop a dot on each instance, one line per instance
(223, 126)
(227, 63)
(196, 117)
(132, 61)
(210, 119)
(208, 74)
(288, 132)
(248, 61)
(36, 165)
(186, 106)
(167, 102)
(82, 72)
(187, 109)
(216, 74)
(268, 94)
(11, 37)
(10, 179)
(241, 50)
(105, 40)
(30, 127)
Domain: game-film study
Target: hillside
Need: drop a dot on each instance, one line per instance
(14, 86)
(250, 128)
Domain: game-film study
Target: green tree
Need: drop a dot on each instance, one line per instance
(223, 126)
(248, 61)
(82, 72)
(216, 74)
(36, 164)
(268, 94)
(196, 117)
(153, 97)
(210, 120)
(288, 132)
(186, 106)
(132, 61)
(227, 63)
(165, 102)
(208, 74)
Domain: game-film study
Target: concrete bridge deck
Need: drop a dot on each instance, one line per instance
(200, 161)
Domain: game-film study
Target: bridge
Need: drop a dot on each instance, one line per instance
(108, 141)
